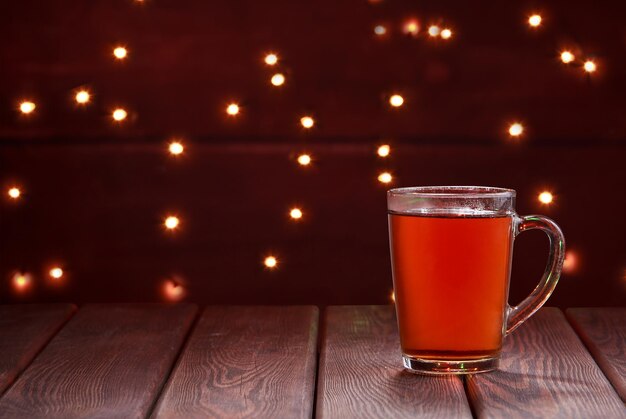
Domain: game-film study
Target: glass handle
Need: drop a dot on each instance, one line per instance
(520, 313)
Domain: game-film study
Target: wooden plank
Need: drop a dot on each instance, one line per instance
(246, 362)
(108, 361)
(24, 331)
(361, 373)
(603, 330)
(545, 371)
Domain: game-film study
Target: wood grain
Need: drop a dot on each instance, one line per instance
(603, 330)
(24, 331)
(545, 372)
(361, 373)
(108, 361)
(256, 362)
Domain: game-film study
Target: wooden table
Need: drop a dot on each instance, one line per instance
(175, 361)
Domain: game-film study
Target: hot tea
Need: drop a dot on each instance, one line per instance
(451, 283)
(451, 251)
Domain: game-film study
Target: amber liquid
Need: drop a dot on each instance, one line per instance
(451, 284)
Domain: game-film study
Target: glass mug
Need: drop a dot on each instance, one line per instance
(451, 250)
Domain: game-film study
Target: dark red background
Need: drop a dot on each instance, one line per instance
(96, 192)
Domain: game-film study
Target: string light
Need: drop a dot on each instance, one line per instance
(14, 192)
(307, 122)
(384, 150)
(295, 213)
(567, 57)
(385, 177)
(120, 53)
(304, 159)
(119, 114)
(173, 290)
(434, 31)
(171, 222)
(570, 262)
(396, 100)
(82, 97)
(176, 148)
(589, 66)
(516, 129)
(411, 27)
(545, 197)
(534, 20)
(278, 79)
(27, 107)
(232, 109)
(56, 272)
(271, 59)
(21, 281)
(270, 262)
(446, 33)
(380, 30)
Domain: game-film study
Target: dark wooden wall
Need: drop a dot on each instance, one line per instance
(96, 192)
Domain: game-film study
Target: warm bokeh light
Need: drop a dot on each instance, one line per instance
(411, 27)
(307, 122)
(384, 150)
(434, 30)
(119, 114)
(173, 290)
(82, 97)
(278, 79)
(534, 20)
(171, 222)
(396, 100)
(14, 192)
(446, 33)
(295, 213)
(545, 197)
(120, 53)
(392, 296)
(570, 263)
(56, 272)
(380, 30)
(567, 57)
(270, 262)
(271, 59)
(590, 66)
(232, 109)
(21, 281)
(304, 159)
(516, 129)
(27, 107)
(176, 148)
(385, 177)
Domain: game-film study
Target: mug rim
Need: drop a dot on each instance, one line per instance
(454, 191)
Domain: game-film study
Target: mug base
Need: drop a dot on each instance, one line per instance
(448, 367)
